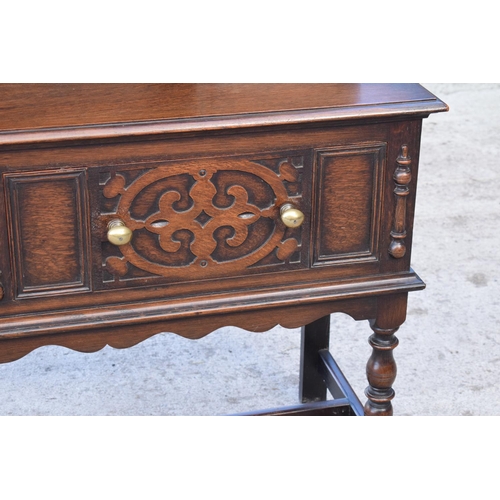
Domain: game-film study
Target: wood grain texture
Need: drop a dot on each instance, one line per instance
(404, 133)
(381, 368)
(202, 219)
(49, 112)
(199, 173)
(203, 307)
(48, 232)
(402, 178)
(348, 193)
(188, 324)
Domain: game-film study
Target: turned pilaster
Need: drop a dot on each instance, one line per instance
(402, 178)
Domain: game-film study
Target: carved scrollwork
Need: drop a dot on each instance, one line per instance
(215, 216)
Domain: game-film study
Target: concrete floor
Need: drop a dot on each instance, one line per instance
(449, 352)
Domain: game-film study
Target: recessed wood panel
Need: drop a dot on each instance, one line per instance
(347, 216)
(48, 219)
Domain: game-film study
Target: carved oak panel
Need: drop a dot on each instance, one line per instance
(348, 186)
(48, 224)
(201, 219)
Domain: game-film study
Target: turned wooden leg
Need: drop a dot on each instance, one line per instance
(381, 367)
(315, 336)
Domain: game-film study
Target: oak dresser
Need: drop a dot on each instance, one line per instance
(130, 210)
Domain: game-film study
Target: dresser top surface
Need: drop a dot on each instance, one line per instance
(163, 108)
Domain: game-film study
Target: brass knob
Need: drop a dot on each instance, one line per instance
(291, 216)
(118, 232)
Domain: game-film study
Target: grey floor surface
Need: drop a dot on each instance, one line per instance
(449, 352)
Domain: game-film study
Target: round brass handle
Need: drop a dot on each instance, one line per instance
(118, 232)
(291, 216)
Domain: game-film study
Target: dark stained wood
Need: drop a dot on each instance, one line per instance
(35, 106)
(87, 331)
(50, 112)
(75, 157)
(337, 384)
(211, 218)
(314, 337)
(48, 223)
(336, 408)
(402, 177)
(199, 173)
(381, 368)
(303, 302)
(347, 215)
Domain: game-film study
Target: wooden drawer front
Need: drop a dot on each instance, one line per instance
(201, 219)
(195, 221)
(349, 183)
(47, 220)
